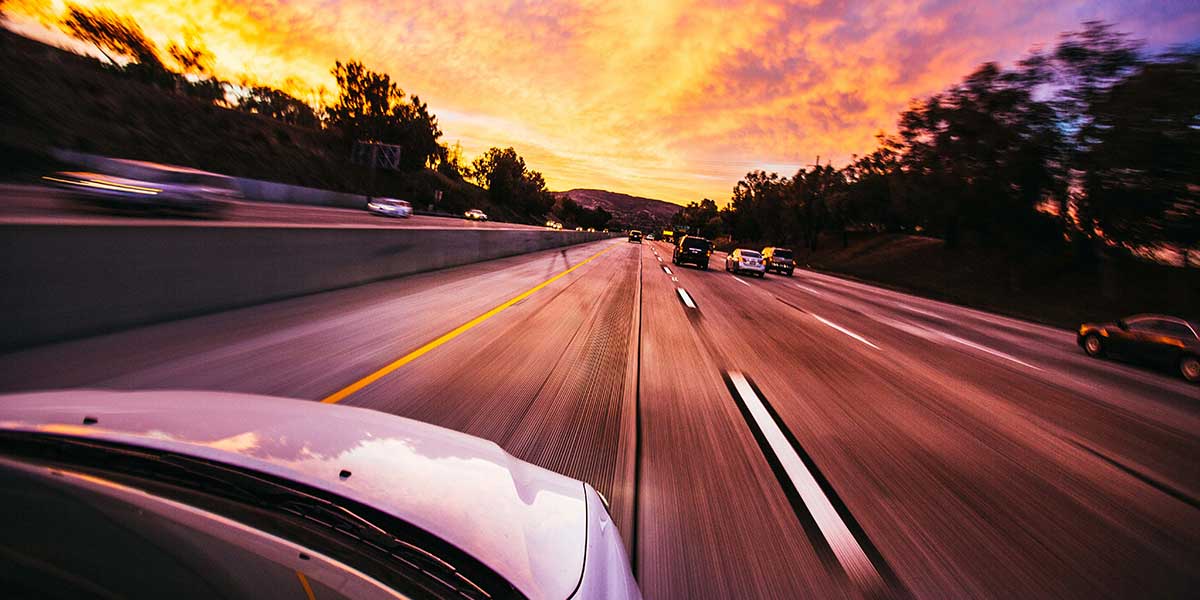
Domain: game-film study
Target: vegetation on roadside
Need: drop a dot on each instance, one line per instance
(137, 101)
(1079, 156)
(1093, 143)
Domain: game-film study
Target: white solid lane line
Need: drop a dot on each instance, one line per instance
(851, 556)
(687, 300)
(808, 289)
(844, 330)
(940, 336)
(739, 280)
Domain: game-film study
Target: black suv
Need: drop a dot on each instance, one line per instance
(779, 259)
(692, 249)
(635, 236)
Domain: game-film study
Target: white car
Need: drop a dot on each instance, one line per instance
(476, 215)
(390, 207)
(745, 261)
(170, 188)
(160, 494)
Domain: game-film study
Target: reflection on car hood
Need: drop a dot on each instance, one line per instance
(525, 522)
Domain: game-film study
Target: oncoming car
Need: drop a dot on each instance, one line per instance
(692, 249)
(162, 187)
(1158, 339)
(390, 207)
(745, 261)
(217, 495)
(476, 215)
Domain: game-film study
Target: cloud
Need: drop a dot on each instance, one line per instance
(664, 98)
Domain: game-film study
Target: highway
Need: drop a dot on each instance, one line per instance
(37, 204)
(776, 438)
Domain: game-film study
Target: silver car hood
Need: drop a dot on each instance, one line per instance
(525, 522)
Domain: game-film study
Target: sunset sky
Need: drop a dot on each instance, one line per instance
(661, 98)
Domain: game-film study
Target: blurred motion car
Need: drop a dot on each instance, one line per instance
(635, 236)
(1156, 339)
(743, 260)
(168, 188)
(390, 207)
(778, 259)
(476, 215)
(218, 495)
(692, 250)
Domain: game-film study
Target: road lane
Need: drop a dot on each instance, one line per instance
(958, 470)
(973, 475)
(713, 520)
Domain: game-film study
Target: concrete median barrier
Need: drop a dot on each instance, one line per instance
(68, 281)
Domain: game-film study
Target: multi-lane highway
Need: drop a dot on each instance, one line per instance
(776, 438)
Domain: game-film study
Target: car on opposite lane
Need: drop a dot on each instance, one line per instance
(1157, 339)
(390, 207)
(743, 260)
(475, 215)
(161, 494)
(635, 236)
(779, 259)
(692, 249)
(157, 187)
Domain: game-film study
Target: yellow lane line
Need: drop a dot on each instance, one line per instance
(307, 588)
(341, 394)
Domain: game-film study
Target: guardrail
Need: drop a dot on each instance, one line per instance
(68, 281)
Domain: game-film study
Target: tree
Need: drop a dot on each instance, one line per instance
(110, 32)
(191, 59)
(509, 183)
(278, 105)
(1141, 179)
(370, 107)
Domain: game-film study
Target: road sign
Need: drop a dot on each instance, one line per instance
(376, 154)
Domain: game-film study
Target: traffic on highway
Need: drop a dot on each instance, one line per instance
(557, 424)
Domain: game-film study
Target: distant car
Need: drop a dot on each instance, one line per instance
(635, 236)
(554, 224)
(779, 259)
(476, 215)
(1157, 339)
(745, 261)
(170, 188)
(650, 236)
(196, 494)
(390, 207)
(692, 250)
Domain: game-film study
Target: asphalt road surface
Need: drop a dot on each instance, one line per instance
(28, 204)
(775, 438)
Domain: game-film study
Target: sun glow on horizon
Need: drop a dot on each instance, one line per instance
(668, 99)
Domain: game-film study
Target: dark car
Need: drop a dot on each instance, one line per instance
(779, 259)
(635, 236)
(692, 249)
(1158, 339)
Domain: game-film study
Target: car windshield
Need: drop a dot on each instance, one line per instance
(751, 254)
(784, 254)
(695, 244)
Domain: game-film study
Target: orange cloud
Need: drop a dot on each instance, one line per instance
(664, 98)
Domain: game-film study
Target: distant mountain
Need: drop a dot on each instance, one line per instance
(626, 209)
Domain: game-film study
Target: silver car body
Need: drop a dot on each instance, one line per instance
(743, 260)
(175, 188)
(390, 207)
(546, 534)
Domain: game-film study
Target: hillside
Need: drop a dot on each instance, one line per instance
(626, 210)
(51, 98)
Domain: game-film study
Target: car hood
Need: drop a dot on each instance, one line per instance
(526, 523)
